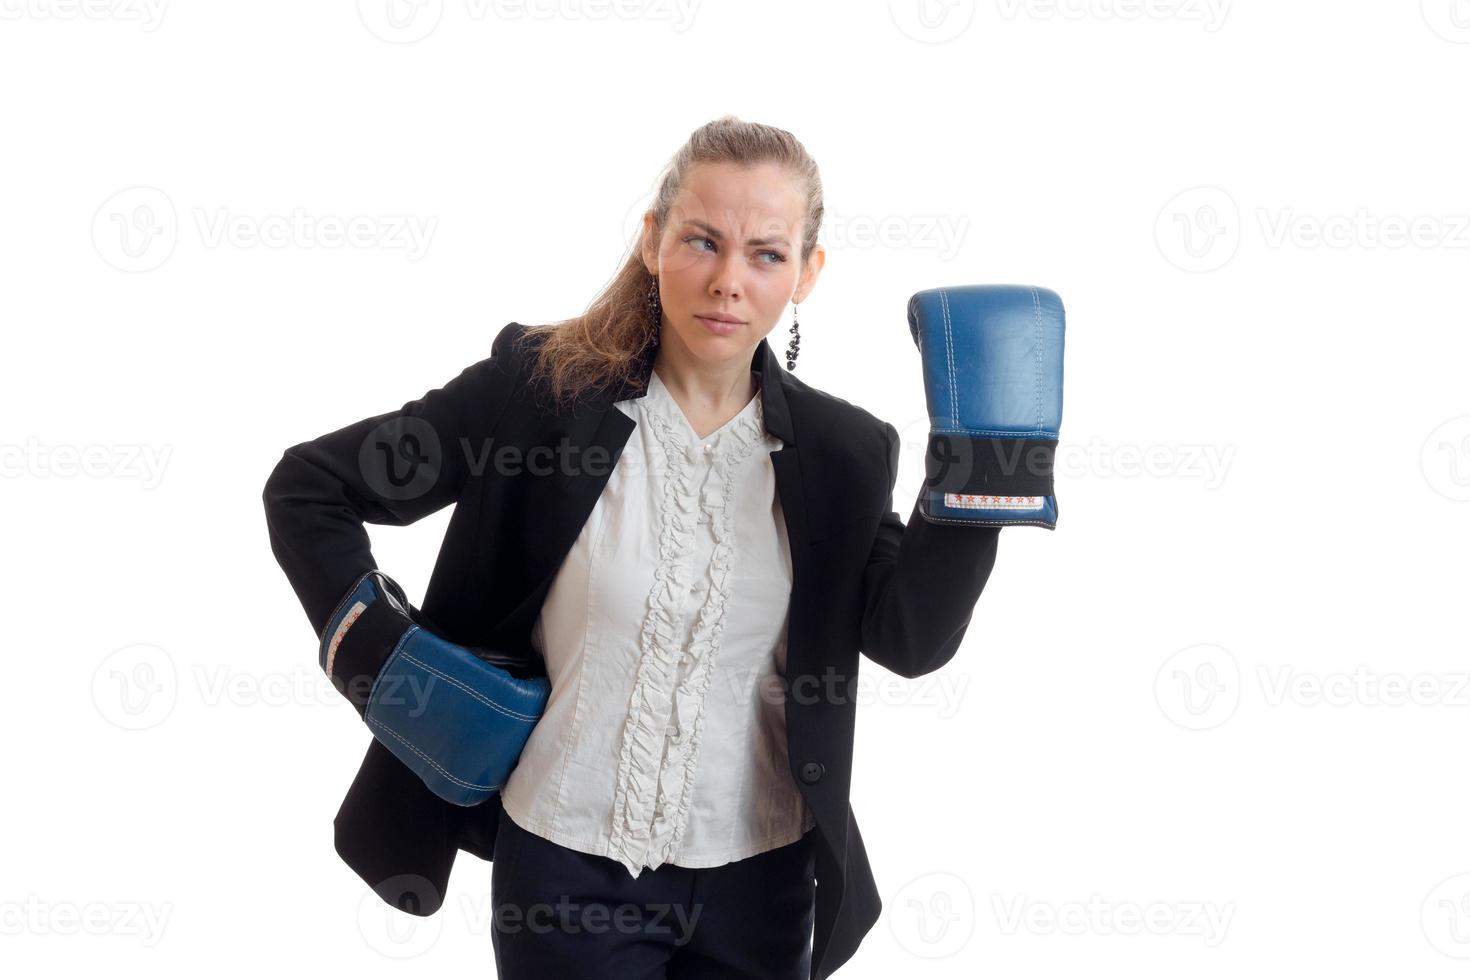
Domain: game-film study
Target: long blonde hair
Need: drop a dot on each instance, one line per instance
(606, 344)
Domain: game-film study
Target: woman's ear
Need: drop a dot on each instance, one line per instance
(648, 244)
(810, 270)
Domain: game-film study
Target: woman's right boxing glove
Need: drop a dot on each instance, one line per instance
(457, 720)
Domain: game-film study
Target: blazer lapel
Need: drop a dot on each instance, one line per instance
(596, 434)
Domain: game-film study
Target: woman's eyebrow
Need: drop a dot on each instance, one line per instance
(714, 233)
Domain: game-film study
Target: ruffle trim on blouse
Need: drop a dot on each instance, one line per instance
(655, 770)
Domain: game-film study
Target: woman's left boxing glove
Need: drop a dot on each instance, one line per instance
(992, 360)
(455, 719)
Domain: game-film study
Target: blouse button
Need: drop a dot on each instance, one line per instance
(708, 448)
(673, 731)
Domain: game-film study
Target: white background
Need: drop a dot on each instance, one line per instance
(1227, 696)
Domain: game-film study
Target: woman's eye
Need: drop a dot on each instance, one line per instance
(777, 257)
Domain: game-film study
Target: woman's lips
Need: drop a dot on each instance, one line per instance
(722, 327)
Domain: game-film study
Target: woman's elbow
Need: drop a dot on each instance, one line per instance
(906, 651)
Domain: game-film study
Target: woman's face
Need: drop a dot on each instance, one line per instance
(731, 247)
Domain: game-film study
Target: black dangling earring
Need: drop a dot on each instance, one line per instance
(655, 311)
(795, 347)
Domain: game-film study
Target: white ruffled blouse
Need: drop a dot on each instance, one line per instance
(664, 637)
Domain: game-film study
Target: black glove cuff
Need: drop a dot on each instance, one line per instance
(989, 465)
(364, 649)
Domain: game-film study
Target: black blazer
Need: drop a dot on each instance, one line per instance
(523, 481)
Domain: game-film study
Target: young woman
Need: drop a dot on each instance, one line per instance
(696, 573)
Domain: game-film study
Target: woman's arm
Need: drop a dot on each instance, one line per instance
(921, 584)
(391, 469)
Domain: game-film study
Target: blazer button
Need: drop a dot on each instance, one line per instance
(812, 771)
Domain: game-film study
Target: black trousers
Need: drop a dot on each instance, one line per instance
(560, 913)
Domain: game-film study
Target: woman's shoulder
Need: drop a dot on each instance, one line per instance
(512, 352)
(831, 413)
(512, 341)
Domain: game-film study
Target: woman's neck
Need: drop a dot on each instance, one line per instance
(708, 401)
(707, 391)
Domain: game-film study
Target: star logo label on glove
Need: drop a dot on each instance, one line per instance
(992, 502)
(341, 631)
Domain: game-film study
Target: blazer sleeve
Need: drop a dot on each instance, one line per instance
(921, 584)
(394, 468)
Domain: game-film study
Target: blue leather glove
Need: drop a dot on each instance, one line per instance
(992, 360)
(445, 711)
